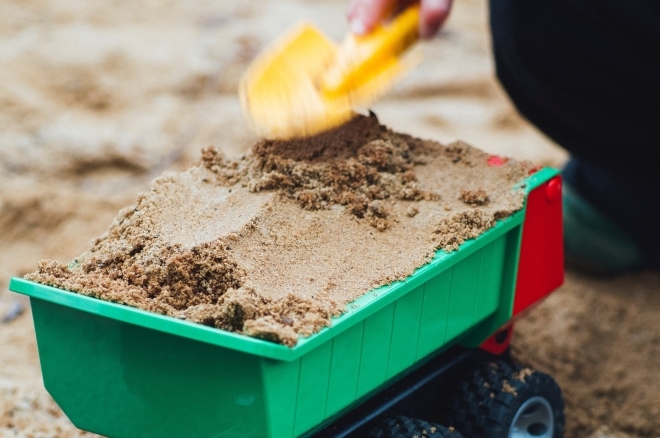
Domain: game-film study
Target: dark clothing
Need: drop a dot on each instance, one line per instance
(587, 74)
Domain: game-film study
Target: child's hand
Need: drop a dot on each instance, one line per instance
(364, 15)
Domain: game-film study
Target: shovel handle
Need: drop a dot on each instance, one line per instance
(359, 55)
(395, 37)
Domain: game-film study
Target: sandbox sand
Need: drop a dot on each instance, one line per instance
(275, 244)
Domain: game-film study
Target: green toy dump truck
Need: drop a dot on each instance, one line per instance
(432, 347)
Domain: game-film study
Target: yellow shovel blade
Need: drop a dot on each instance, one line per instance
(279, 92)
(303, 84)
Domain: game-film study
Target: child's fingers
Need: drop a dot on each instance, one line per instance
(364, 15)
(433, 14)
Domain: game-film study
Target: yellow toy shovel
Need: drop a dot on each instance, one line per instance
(304, 84)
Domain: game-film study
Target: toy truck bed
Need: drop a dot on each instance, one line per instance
(122, 372)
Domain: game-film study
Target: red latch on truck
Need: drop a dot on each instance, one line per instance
(541, 265)
(541, 260)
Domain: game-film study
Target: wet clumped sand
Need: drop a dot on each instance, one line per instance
(276, 243)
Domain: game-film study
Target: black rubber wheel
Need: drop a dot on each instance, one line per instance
(501, 400)
(405, 427)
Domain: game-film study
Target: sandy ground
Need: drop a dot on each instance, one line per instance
(98, 98)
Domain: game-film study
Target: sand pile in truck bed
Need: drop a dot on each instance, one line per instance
(276, 243)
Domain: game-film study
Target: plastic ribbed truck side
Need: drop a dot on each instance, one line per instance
(123, 372)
